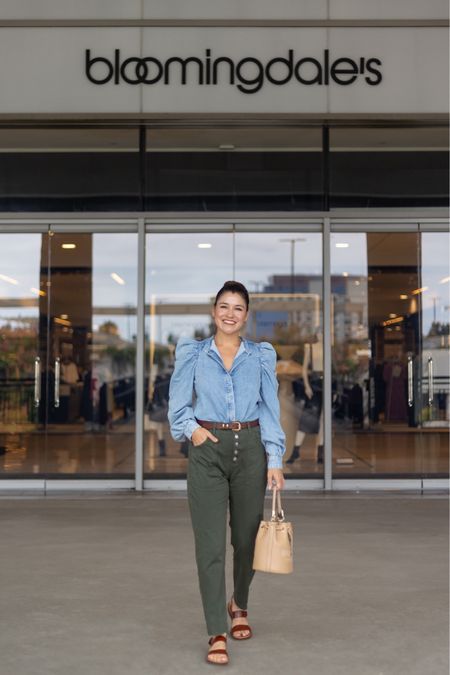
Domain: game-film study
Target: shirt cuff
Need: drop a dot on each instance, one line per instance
(274, 457)
(190, 427)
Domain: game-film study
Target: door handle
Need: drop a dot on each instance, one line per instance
(430, 381)
(37, 381)
(57, 380)
(410, 382)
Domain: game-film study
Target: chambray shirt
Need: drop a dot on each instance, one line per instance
(201, 387)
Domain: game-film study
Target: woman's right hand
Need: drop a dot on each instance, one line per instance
(200, 435)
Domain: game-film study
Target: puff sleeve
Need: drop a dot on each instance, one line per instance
(181, 390)
(272, 434)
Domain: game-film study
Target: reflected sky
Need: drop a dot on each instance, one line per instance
(178, 268)
(191, 268)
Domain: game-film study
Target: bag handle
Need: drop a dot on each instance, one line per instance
(277, 511)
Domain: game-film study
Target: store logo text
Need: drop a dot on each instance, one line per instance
(249, 74)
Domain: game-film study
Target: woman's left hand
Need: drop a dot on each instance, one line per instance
(275, 478)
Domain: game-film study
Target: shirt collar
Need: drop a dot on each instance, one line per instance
(243, 347)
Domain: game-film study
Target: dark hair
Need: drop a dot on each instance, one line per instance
(234, 287)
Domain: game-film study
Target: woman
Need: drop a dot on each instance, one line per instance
(236, 447)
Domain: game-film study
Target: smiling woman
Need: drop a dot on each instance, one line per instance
(236, 448)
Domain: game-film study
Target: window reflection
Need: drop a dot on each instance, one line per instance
(69, 169)
(81, 325)
(184, 273)
(389, 167)
(20, 287)
(380, 299)
(435, 380)
(285, 271)
(234, 168)
(285, 309)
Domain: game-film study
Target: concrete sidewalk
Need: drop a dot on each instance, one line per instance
(106, 585)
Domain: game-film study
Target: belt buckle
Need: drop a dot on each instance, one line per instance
(236, 428)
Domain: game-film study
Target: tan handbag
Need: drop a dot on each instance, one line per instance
(274, 542)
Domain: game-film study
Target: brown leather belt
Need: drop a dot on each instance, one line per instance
(230, 426)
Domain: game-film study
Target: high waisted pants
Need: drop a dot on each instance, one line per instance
(231, 472)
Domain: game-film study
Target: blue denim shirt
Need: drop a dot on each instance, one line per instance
(201, 387)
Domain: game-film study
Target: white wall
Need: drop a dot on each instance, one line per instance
(70, 9)
(224, 9)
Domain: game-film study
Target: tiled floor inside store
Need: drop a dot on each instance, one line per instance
(74, 451)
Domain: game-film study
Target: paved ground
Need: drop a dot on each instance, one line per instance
(106, 585)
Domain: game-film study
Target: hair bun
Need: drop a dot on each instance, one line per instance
(234, 287)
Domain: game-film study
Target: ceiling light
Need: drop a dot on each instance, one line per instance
(64, 316)
(204, 245)
(68, 246)
(420, 290)
(226, 146)
(444, 280)
(345, 274)
(392, 316)
(117, 279)
(342, 245)
(403, 296)
(9, 280)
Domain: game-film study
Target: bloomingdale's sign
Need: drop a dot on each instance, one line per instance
(249, 75)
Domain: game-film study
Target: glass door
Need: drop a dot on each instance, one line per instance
(23, 298)
(390, 346)
(91, 334)
(283, 273)
(435, 361)
(67, 354)
(283, 270)
(184, 272)
(377, 294)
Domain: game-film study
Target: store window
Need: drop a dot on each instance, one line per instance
(234, 169)
(221, 169)
(85, 169)
(390, 354)
(184, 272)
(67, 354)
(389, 167)
(283, 273)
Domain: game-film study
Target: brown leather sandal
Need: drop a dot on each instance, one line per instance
(237, 614)
(212, 641)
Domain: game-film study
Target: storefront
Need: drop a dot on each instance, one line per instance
(145, 158)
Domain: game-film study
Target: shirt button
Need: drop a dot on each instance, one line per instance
(234, 459)
(236, 436)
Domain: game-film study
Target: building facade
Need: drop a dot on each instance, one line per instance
(151, 150)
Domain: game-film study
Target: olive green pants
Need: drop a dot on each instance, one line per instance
(231, 472)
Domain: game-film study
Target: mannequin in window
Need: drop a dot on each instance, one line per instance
(312, 375)
(288, 371)
(70, 389)
(156, 418)
(69, 370)
(394, 376)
